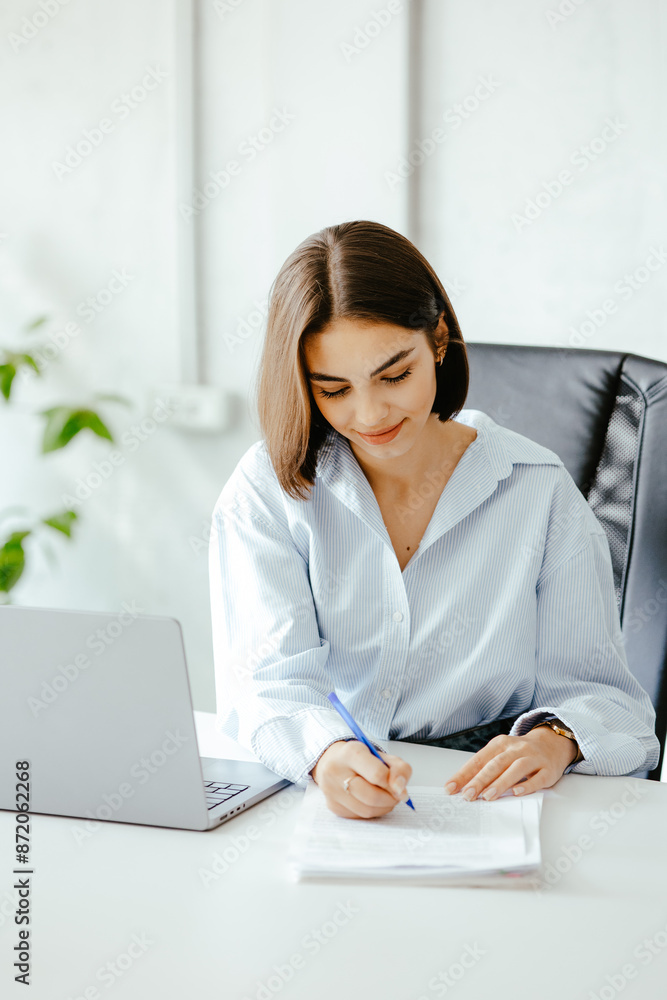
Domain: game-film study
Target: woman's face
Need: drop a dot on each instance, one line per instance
(366, 400)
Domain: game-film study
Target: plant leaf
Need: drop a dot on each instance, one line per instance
(56, 418)
(12, 561)
(7, 373)
(27, 359)
(94, 422)
(61, 521)
(35, 323)
(8, 369)
(63, 424)
(16, 537)
(54, 409)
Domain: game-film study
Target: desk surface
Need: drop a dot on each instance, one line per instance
(131, 910)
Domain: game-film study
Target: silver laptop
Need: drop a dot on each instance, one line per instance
(99, 706)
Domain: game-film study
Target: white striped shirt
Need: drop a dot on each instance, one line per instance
(506, 606)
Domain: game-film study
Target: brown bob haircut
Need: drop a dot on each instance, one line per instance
(356, 270)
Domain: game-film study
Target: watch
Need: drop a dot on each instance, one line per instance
(562, 730)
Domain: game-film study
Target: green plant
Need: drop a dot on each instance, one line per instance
(61, 425)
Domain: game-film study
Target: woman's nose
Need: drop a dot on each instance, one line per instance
(371, 416)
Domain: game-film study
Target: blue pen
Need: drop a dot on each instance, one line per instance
(340, 708)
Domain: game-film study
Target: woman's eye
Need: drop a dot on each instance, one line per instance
(341, 392)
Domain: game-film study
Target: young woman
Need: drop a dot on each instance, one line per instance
(435, 569)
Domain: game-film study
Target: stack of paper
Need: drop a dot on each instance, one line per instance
(444, 839)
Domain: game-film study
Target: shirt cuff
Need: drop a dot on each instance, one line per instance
(290, 746)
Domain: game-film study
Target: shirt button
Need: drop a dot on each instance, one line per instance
(386, 693)
(397, 616)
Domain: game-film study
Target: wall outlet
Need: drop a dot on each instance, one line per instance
(196, 407)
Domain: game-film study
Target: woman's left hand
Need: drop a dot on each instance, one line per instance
(539, 757)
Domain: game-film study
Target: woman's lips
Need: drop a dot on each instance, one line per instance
(384, 437)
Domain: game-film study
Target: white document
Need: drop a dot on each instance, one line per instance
(445, 835)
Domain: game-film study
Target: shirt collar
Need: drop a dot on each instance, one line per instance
(503, 448)
(487, 460)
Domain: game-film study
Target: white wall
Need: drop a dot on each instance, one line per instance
(556, 81)
(119, 209)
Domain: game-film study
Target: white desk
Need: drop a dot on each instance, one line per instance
(223, 940)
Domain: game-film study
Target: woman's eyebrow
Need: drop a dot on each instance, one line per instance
(321, 377)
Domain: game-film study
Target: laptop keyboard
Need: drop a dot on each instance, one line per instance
(220, 791)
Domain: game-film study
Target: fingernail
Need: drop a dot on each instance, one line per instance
(399, 786)
(518, 790)
(469, 794)
(450, 787)
(490, 793)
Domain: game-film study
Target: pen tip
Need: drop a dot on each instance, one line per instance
(408, 802)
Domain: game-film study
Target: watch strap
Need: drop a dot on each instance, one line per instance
(559, 727)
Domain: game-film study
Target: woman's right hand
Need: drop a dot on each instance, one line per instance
(374, 789)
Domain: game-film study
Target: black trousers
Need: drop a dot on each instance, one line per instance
(472, 739)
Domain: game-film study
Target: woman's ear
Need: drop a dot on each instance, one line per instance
(442, 329)
(441, 336)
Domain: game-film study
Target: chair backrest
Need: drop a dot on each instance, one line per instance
(605, 415)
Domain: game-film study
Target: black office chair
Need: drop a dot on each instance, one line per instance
(605, 415)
